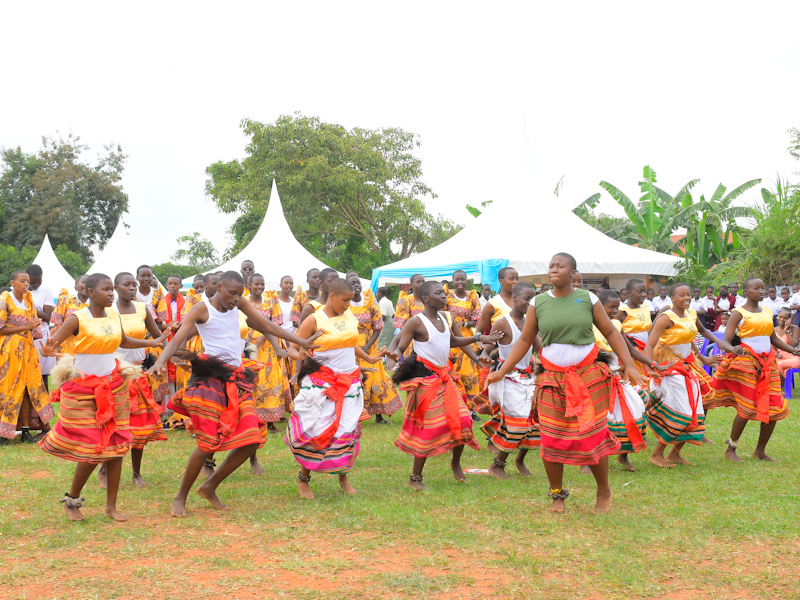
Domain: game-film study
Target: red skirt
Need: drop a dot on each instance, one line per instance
(145, 421)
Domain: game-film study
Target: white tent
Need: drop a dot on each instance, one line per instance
(118, 255)
(274, 250)
(54, 276)
(526, 236)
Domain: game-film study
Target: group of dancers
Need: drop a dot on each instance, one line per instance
(577, 375)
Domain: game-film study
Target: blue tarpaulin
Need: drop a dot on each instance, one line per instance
(488, 270)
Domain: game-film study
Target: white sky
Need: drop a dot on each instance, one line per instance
(506, 97)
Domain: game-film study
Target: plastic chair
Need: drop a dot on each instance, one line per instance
(711, 350)
(789, 384)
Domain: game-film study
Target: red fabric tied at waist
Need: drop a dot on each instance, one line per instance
(338, 384)
(683, 369)
(230, 415)
(451, 399)
(102, 388)
(141, 385)
(762, 385)
(579, 401)
(634, 435)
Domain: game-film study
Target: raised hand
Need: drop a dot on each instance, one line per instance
(281, 352)
(309, 343)
(492, 337)
(49, 348)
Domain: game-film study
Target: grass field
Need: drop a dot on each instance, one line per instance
(715, 530)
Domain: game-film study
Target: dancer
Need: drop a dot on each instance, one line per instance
(43, 301)
(174, 303)
(218, 399)
(635, 317)
(512, 428)
(302, 298)
(66, 305)
(676, 414)
(326, 276)
(23, 396)
(408, 306)
(748, 378)
(790, 335)
(573, 393)
(436, 418)
(93, 421)
(466, 310)
(324, 430)
(380, 396)
(499, 305)
(284, 304)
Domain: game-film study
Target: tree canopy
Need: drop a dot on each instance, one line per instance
(55, 192)
(199, 253)
(356, 189)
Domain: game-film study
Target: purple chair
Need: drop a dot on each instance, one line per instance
(789, 384)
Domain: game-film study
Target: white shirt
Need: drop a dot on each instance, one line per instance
(794, 299)
(220, 334)
(659, 303)
(41, 298)
(773, 305)
(649, 305)
(740, 300)
(483, 302)
(386, 306)
(704, 303)
(286, 312)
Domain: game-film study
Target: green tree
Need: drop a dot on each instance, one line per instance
(615, 227)
(164, 270)
(476, 212)
(199, 253)
(55, 192)
(14, 259)
(335, 184)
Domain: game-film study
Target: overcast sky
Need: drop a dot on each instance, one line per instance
(506, 98)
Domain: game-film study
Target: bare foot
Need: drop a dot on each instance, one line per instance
(707, 440)
(207, 470)
(102, 479)
(255, 466)
(523, 470)
(211, 496)
(497, 472)
(271, 428)
(74, 514)
(138, 481)
(761, 455)
(558, 505)
(659, 461)
(417, 486)
(585, 470)
(381, 421)
(178, 509)
(625, 462)
(492, 448)
(731, 455)
(603, 504)
(348, 489)
(457, 472)
(113, 513)
(674, 457)
(305, 490)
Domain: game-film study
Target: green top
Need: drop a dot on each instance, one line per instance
(566, 320)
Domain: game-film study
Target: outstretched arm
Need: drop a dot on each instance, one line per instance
(614, 337)
(525, 341)
(486, 318)
(258, 322)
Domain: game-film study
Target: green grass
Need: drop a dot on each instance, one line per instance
(715, 530)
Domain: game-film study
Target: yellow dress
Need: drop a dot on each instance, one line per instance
(636, 327)
(65, 306)
(463, 310)
(271, 392)
(19, 368)
(501, 309)
(380, 395)
(407, 307)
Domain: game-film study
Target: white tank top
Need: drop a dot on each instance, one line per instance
(220, 334)
(505, 349)
(286, 312)
(437, 349)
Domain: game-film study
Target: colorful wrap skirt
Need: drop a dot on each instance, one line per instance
(676, 413)
(629, 417)
(93, 422)
(513, 426)
(752, 385)
(436, 417)
(563, 438)
(145, 420)
(222, 414)
(324, 431)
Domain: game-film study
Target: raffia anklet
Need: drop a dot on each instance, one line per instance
(499, 463)
(71, 502)
(559, 493)
(303, 478)
(733, 445)
(415, 478)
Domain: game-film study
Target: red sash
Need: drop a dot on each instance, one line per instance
(451, 399)
(762, 385)
(634, 435)
(579, 401)
(339, 384)
(681, 368)
(141, 385)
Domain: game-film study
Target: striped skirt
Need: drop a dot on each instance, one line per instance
(635, 400)
(512, 427)
(431, 437)
(145, 420)
(670, 413)
(734, 385)
(77, 437)
(561, 439)
(204, 402)
(313, 413)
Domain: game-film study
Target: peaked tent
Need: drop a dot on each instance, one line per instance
(118, 255)
(54, 275)
(525, 236)
(274, 250)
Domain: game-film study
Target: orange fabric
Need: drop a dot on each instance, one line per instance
(762, 386)
(451, 399)
(339, 384)
(141, 385)
(688, 374)
(579, 402)
(104, 400)
(634, 435)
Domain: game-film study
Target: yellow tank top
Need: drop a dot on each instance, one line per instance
(340, 332)
(316, 305)
(600, 338)
(98, 336)
(637, 319)
(243, 325)
(501, 309)
(755, 324)
(683, 331)
(133, 324)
